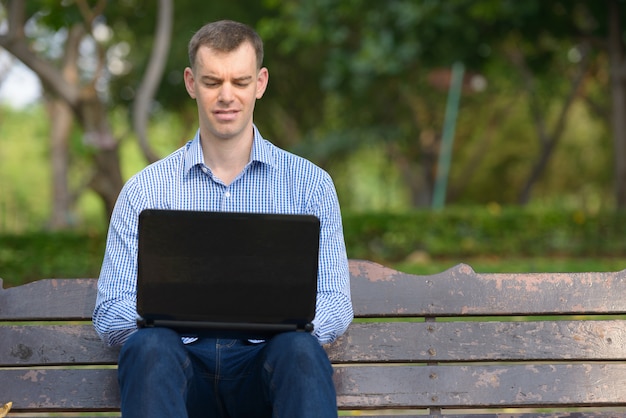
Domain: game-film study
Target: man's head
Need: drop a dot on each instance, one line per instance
(225, 36)
(225, 79)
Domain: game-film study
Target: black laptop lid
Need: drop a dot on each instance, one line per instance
(220, 268)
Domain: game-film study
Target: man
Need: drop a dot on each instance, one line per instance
(228, 166)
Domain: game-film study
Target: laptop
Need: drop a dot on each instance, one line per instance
(225, 274)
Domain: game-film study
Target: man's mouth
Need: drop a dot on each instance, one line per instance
(226, 115)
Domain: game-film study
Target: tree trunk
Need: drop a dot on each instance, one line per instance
(107, 179)
(618, 102)
(61, 120)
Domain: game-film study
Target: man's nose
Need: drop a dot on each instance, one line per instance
(226, 93)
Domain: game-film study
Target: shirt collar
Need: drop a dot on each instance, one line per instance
(261, 151)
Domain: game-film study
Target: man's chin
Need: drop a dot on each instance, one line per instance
(226, 132)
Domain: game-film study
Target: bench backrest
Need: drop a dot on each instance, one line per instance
(455, 342)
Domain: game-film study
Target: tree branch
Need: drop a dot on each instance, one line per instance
(152, 77)
(551, 140)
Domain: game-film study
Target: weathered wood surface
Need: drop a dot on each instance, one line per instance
(459, 291)
(38, 345)
(367, 343)
(456, 364)
(481, 341)
(49, 299)
(482, 386)
(61, 390)
(369, 386)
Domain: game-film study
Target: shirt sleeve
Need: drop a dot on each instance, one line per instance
(115, 314)
(334, 311)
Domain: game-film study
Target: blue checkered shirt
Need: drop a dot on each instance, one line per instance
(273, 181)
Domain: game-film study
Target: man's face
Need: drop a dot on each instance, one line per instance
(225, 86)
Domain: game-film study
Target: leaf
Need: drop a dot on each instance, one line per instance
(5, 409)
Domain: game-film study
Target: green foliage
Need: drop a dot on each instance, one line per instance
(496, 231)
(382, 67)
(38, 255)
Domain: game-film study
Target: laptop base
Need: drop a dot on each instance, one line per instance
(229, 330)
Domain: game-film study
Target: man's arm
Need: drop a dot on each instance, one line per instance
(334, 305)
(115, 313)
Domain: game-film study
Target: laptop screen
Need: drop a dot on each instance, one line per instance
(227, 267)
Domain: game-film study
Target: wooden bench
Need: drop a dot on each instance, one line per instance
(455, 343)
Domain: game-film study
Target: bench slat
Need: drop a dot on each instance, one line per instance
(49, 390)
(459, 291)
(36, 345)
(366, 342)
(370, 387)
(49, 299)
(481, 386)
(481, 341)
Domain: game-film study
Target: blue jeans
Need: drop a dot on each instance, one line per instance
(287, 376)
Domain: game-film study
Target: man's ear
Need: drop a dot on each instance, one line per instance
(262, 80)
(190, 82)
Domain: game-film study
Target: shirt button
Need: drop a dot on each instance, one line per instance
(227, 194)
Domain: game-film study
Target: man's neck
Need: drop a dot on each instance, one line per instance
(227, 157)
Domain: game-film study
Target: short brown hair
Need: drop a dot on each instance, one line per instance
(225, 36)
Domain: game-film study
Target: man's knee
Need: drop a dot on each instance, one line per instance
(296, 341)
(297, 350)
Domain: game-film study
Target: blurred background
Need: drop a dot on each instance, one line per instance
(486, 132)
